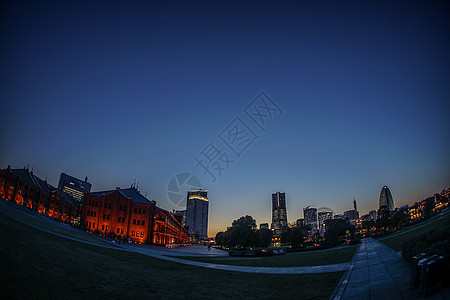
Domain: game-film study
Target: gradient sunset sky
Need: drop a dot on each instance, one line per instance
(123, 91)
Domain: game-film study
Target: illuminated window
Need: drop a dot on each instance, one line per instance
(137, 233)
(132, 233)
(142, 234)
(121, 231)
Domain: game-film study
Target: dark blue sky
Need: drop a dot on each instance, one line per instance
(122, 91)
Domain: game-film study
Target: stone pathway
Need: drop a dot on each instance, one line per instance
(377, 272)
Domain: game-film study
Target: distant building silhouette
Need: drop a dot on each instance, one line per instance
(197, 213)
(386, 198)
(279, 213)
(74, 186)
(324, 214)
(351, 214)
(310, 216)
(263, 226)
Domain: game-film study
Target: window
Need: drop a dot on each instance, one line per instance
(121, 231)
(109, 205)
(120, 208)
(135, 210)
(106, 227)
(134, 221)
(142, 234)
(93, 225)
(103, 227)
(119, 219)
(137, 233)
(104, 216)
(143, 211)
(132, 233)
(95, 213)
(143, 222)
(118, 230)
(140, 210)
(139, 222)
(106, 205)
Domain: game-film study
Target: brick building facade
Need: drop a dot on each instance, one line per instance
(26, 189)
(125, 213)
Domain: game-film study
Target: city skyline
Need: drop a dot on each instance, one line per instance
(135, 92)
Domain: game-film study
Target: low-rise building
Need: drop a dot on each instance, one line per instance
(127, 214)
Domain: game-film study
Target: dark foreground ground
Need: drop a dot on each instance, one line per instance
(36, 264)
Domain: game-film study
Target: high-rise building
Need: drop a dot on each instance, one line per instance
(310, 216)
(386, 198)
(74, 186)
(279, 214)
(197, 213)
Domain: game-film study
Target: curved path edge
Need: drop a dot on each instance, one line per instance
(245, 269)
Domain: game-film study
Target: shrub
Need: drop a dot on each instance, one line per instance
(431, 242)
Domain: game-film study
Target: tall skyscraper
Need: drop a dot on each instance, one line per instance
(74, 186)
(386, 198)
(197, 213)
(310, 216)
(279, 214)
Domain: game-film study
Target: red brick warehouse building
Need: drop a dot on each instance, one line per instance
(125, 213)
(26, 189)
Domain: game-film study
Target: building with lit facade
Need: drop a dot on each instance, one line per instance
(279, 213)
(127, 214)
(197, 213)
(74, 186)
(24, 188)
(386, 198)
(310, 217)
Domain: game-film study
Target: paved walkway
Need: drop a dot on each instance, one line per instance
(377, 272)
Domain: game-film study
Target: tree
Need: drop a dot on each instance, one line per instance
(293, 236)
(242, 233)
(264, 237)
(400, 218)
(384, 216)
(336, 229)
(429, 206)
(220, 238)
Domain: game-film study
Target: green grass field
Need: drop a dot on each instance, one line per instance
(36, 264)
(396, 240)
(29, 217)
(313, 258)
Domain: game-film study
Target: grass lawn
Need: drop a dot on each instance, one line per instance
(312, 258)
(37, 264)
(25, 215)
(395, 241)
